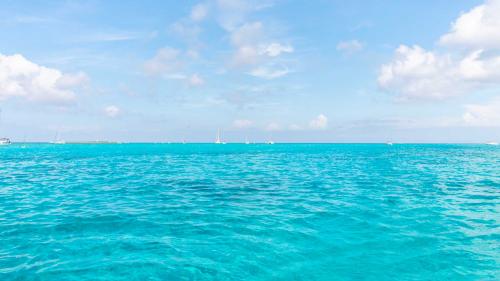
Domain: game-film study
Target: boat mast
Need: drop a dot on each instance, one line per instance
(217, 140)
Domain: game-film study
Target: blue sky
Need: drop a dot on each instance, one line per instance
(319, 71)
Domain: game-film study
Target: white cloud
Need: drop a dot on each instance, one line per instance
(268, 73)
(351, 46)
(319, 123)
(483, 115)
(245, 39)
(196, 80)
(112, 111)
(253, 47)
(73, 80)
(254, 51)
(478, 28)
(275, 49)
(199, 12)
(22, 78)
(255, 54)
(164, 64)
(415, 73)
(251, 54)
(242, 123)
(480, 68)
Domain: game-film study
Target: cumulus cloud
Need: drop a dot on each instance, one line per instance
(22, 78)
(416, 73)
(165, 63)
(349, 47)
(483, 115)
(477, 28)
(242, 123)
(73, 80)
(112, 111)
(479, 67)
(319, 123)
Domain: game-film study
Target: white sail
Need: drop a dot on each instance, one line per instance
(217, 139)
(58, 140)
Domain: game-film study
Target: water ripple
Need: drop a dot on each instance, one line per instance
(249, 212)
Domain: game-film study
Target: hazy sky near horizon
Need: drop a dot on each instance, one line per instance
(320, 71)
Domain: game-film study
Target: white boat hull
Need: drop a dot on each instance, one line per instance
(5, 141)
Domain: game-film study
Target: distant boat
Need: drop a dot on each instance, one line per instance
(270, 142)
(246, 141)
(492, 143)
(57, 140)
(4, 141)
(388, 143)
(218, 138)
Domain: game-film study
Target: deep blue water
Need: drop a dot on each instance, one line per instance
(249, 212)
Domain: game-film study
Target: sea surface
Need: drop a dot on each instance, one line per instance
(249, 212)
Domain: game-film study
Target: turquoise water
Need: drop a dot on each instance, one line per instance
(249, 212)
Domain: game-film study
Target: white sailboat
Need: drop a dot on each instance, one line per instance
(492, 143)
(57, 140)
(218, 139)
